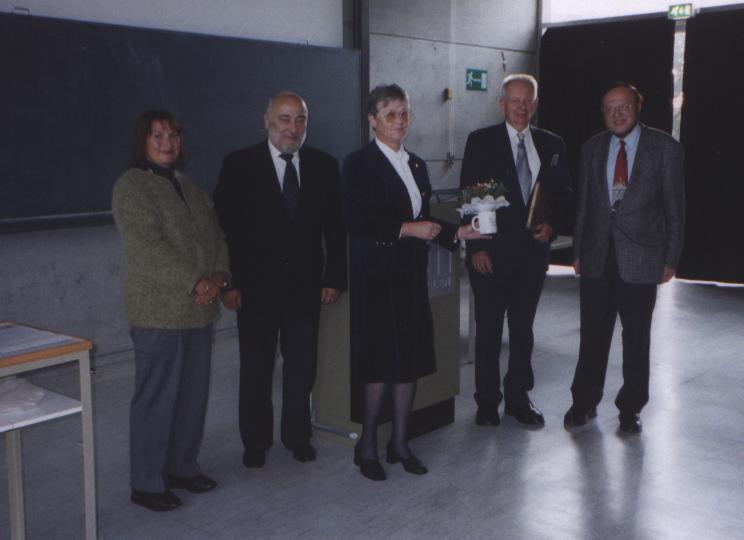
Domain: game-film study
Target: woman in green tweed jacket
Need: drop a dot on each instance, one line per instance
(176, 265)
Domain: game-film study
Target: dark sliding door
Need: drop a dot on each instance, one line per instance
(712, 124)
(578, 62)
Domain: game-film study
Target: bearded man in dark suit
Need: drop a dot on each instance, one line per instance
(628, 238)
(507, 272)
(278, 203)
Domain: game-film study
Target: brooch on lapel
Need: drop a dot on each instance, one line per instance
(554, 160)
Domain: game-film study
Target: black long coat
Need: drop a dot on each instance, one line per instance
(392, 335)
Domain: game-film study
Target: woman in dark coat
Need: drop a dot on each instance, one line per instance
(386, 194)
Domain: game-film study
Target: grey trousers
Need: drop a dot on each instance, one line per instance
(166, 421)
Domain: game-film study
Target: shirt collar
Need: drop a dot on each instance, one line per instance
(276, 153)
(631, 139)
(400, 155)
(511, 130)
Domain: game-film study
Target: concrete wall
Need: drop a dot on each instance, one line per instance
(70, 280)
(426, 45)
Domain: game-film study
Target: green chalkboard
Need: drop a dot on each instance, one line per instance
(70, 92)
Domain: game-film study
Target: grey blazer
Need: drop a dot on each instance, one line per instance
(648, 227)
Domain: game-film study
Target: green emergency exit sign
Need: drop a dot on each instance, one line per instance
(679, 12)
(476, 79)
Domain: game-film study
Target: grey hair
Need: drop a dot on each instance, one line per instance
(521, 77)
(284, 93)
(383, 94)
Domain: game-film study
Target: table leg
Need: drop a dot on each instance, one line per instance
(15, 484)
(89, 466)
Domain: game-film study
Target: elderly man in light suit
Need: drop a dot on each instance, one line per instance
(627, 239)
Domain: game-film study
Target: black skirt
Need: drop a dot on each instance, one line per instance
(392, 333)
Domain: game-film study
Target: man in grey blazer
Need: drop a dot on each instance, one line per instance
(627, 239)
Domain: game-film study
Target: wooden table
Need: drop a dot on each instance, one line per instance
(24, 349)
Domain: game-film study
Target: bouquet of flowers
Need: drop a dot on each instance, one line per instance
(481, 190)
(482, 196)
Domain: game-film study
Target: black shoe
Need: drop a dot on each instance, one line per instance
(411, 464)
(575, 417)
(488, 416)
(254, 459)
(157, 502)
(630, 422)
(195, 484)
(303, 452)
(525, 413)
(370, 468)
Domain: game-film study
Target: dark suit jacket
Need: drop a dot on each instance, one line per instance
(488, 155)
(392, 332)
(648, 227)
(271, 257)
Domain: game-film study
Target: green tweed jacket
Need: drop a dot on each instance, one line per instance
(169, 246)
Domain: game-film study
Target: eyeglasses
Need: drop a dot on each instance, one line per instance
(392, 116)
(625, 108)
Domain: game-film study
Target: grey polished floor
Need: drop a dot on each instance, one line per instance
(681, 478)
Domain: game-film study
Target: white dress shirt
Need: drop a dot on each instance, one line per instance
(532, 157)
(399, 161)
(280, 165)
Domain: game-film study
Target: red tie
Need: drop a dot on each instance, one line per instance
(621, 167)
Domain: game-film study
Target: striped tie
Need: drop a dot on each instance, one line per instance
(523, 169)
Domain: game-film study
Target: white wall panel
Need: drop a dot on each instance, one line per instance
(317, 22)
(563, 11)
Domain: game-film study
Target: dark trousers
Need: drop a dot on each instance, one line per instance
(167, 413)
(297, 334)
(513, 290)
(602, 300)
